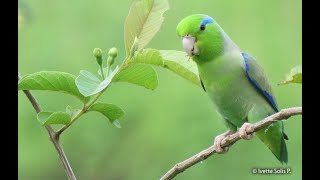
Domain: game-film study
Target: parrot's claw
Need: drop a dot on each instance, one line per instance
(243, 131)
(217, 142)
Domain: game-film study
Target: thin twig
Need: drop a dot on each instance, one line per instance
(229, 140)
(54, 137)
(83, 110)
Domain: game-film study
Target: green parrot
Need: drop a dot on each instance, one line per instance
(234, 81)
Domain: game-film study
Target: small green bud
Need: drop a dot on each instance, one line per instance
(113, 52)
(97, 52)
(110, 61)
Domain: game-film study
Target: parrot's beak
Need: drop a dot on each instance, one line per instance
(189, 45)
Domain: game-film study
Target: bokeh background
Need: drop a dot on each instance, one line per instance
(161, 127)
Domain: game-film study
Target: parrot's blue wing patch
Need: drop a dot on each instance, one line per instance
(255, 82)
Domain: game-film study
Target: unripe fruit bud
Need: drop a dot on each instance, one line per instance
(113, 52)
(97, 52)
(110, 61)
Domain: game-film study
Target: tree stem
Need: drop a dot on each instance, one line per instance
(83, 110)
(54, 137)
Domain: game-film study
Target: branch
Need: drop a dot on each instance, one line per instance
(83, 110)
(54, 137)
(229, 140)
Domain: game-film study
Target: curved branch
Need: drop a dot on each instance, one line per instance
(54, 137)
(229, 140)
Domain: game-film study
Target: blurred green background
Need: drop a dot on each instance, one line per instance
(164, 126)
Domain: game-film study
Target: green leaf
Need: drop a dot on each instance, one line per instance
(139, 74)
(295, 76)
(52, 81)
(134, 47)
(111, 111)
(143, 21)
(46, 118)
(88, 84)
(181, 64)
(176, 61)
(148, 56)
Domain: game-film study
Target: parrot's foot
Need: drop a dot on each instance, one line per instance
(217, 142)
(243, 131)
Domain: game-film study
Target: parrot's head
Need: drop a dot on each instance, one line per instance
(201, 37)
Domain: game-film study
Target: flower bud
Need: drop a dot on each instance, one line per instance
(97, 52)
(110, 61)
(113, 52)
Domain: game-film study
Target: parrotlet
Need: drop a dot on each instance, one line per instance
(235, 82)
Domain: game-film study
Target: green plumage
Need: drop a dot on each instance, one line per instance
(234, 81)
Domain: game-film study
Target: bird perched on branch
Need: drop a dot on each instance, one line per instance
(235, 82)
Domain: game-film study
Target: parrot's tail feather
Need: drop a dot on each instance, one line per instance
(274, 138)
(284, 152)
(285, 136)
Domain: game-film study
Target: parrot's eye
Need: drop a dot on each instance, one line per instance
(202, 27)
